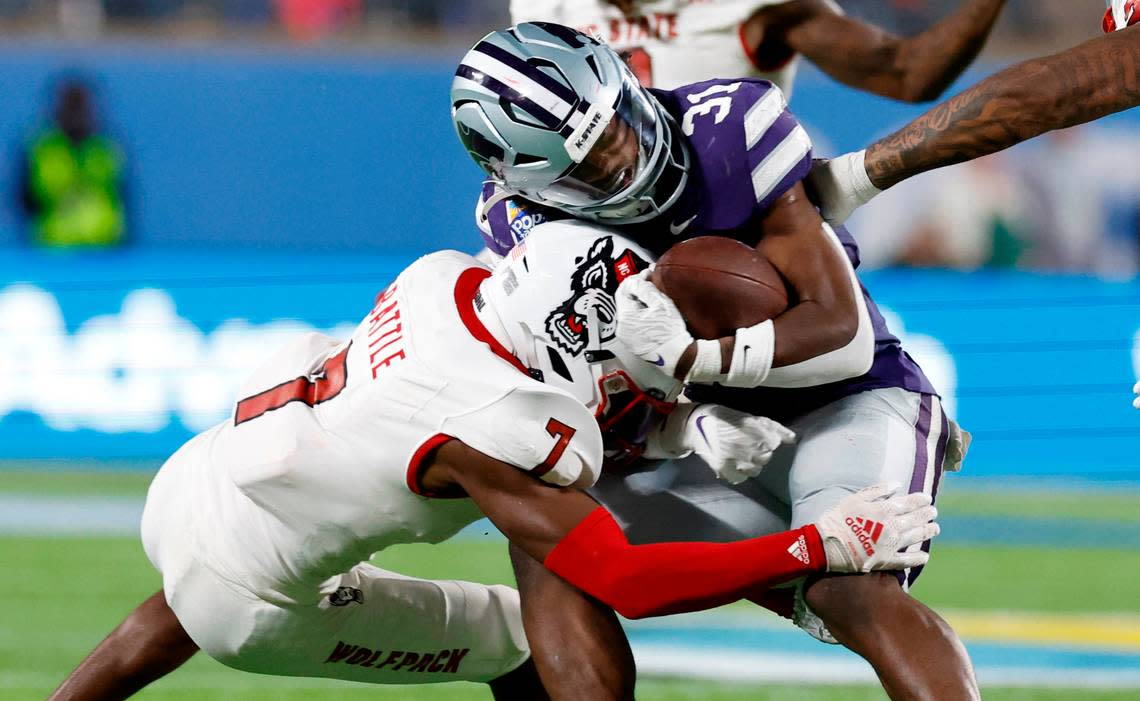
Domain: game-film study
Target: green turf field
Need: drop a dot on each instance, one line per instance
(60, 595)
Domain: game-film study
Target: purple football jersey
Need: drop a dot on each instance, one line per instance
(746, 150)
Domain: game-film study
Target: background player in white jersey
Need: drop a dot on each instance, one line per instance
(557, 117)
(670, 43)
(451, 400)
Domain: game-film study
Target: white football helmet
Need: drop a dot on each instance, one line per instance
(553, 295)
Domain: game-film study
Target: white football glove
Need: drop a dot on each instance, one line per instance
(840, 186)
(867, 530)
(649, 324)
(1136, 401)
(735, 445)
(807, 620)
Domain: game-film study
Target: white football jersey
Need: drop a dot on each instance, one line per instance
(318, 468)
(668, 43)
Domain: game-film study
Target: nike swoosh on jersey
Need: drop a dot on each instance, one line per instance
(700, 420)
(660, 362)
(676, 229)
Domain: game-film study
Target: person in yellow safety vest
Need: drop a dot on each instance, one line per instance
(73, 178)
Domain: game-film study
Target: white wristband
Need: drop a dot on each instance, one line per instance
(752, 355)
(706, 366)
(857, 178)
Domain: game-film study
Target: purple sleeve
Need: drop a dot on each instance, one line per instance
(749, 149)
(507, 220)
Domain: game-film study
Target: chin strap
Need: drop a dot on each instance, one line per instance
(501, 193)
(594, 352)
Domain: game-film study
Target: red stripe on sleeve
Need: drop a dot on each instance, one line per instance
(415, 465)
(666, 578)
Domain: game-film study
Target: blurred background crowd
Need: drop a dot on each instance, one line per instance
(1027, 21)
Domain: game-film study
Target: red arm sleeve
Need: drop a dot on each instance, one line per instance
(665, 578)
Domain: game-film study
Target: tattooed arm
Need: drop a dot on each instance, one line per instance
(1086, 82)
(913, 69)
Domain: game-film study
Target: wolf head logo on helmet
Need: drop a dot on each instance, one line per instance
(553, 296)
(593, 284)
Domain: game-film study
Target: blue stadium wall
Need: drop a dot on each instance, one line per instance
(276, 193)
(127, 356)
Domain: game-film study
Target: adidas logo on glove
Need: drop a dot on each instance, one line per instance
(867, 531)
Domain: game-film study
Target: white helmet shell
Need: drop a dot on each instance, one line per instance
(554, 296)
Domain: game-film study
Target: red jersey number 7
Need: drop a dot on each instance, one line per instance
(563, 433)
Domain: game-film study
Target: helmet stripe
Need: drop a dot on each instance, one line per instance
(525, 83)
(548, 119)
(510, 60)
(571, 36)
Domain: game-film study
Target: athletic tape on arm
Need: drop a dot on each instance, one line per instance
(851, 360)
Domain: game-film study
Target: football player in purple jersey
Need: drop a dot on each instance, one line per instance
(563, 129)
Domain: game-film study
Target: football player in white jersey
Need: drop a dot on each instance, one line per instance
(670, 43)
(463, 393)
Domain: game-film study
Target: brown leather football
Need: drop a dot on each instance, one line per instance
(720, 285)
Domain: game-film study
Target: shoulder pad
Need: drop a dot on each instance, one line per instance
(504, 220)
(542, 431)
(749, 149)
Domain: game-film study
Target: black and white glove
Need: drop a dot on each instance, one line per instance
(841, 185)
(735, 445)
(870, 529)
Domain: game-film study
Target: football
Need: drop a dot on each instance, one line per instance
(720, 285)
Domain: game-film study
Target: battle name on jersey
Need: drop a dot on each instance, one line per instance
(385, 332)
